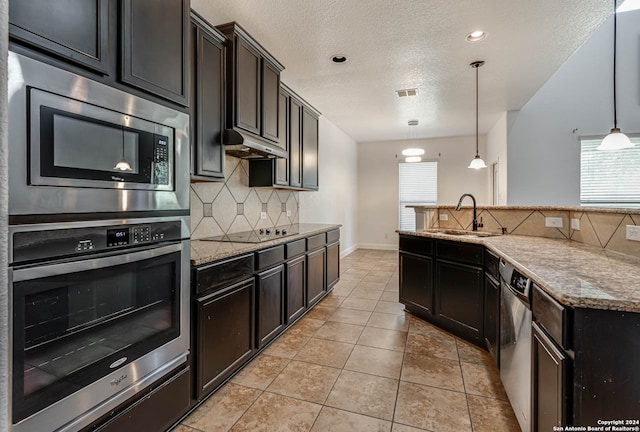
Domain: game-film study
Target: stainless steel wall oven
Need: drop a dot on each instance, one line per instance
(100, 309)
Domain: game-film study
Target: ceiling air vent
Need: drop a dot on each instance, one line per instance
(407, 92)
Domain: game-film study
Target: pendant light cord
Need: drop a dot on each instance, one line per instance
(477, 153)
(615, 25)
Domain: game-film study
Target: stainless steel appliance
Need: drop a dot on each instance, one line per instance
(515, 341)
(256, 236)
(100, 311)
(79, 146)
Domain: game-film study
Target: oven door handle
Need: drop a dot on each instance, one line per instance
(39, 272)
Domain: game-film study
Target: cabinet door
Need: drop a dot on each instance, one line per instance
(282, 164)
(77, 30)
(316, 282)
(270, 295)
(270, 102)
(207, 104)
(549, 382)
(247, 88)
(296, 284)
(224, 333)
(309, 151)
(460, 299)
(492, 316)
(295, 142)
(333, 264)
(416, 283)
(155, 49)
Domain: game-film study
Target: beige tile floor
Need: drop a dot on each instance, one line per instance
(358, 362)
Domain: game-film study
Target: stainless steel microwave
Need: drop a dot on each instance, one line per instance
(79, 146)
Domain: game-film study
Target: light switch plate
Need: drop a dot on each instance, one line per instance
(263, 215)
(553, 222)
(575, 224)
(633, 232)
(444, 216)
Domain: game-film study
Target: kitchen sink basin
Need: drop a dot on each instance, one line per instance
(462, 233)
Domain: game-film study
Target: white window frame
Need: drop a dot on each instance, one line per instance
(420, 191)
(609, 178)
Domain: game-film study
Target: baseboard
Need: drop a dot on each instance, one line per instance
(346, 252)
(378, 246)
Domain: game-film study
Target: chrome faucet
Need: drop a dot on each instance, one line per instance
(474, 225)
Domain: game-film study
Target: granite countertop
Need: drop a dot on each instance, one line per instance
(539, 208)
(204, 251)
(575, 274)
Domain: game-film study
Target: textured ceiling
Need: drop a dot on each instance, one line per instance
(396, 44)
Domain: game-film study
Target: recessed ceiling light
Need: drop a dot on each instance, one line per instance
(338, 58)
(476, 36)
(407, 92)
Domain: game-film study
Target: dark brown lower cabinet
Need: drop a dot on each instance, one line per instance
(225, 334)
(416, 283)
(270, 308)
(316, 282)
(460, 299)
(550, 366)
(296, 274)
(333, 264)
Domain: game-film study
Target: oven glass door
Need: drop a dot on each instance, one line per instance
(78, 144)
(76, 322)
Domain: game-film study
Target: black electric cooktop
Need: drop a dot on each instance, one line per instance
(255, 236)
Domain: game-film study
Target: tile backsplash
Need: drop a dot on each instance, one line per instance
(220, 208)
(605, 229)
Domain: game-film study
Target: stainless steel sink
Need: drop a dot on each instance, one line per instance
(462, 233)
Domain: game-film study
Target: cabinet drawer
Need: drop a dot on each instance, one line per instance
(222, 273)
(315, 241)
(333, 235)
(552, 316)
(295, 248)
(269, 257)
(461, 252)
(491, 263)
(417, 245)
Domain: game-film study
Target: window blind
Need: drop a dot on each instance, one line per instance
(418, 186)
(609, 178)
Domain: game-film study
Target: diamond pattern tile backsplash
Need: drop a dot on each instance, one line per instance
(220, 208)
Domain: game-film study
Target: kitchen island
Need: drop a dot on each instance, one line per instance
(586, 329)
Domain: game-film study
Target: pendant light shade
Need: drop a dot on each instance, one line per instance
(412, 154)
(477, 161)
(616, 140)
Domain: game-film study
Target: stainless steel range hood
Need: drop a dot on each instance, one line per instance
(244, 146)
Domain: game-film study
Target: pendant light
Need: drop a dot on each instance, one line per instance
(616, 140)
(412, 154)
(477, 162)
(123, 165)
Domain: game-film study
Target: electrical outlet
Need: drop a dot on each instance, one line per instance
(633, 232)
(263, 215)
(553, 222)
(444, 216)
(575, 224)
(288, 213)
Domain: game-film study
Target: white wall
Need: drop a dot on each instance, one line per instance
(336, 201)
(378, 182)
(4, 294)
(544, 150)
(497, 153)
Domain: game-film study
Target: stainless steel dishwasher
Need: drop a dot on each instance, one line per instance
(515, 341)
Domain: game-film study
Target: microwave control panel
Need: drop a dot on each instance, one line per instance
(161, 160)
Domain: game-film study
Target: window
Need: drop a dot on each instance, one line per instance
(418, 186)
(609, 178)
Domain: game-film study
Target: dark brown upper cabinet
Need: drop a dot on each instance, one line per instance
(75, 30)
(253, 83)
(208, 60)
(309, 149)
(281, 177)
(155, 47)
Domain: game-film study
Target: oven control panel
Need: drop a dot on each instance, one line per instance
(49, 244)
